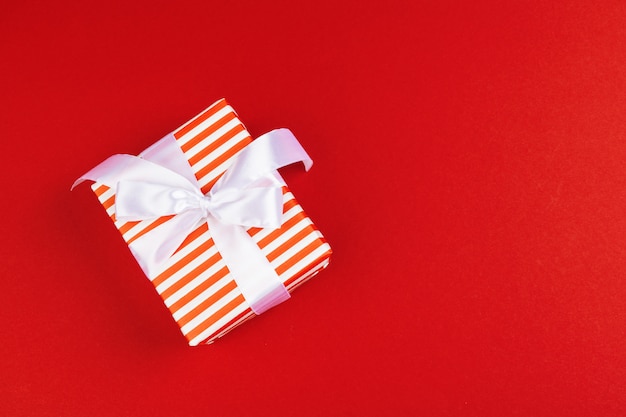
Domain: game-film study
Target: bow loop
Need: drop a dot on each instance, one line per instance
(252, 207)
(142, 200)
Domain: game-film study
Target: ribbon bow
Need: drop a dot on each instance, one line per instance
(249, 194)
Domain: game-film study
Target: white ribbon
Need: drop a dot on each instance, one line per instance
(249, 194)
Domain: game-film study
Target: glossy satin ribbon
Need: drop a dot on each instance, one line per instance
(160, 182)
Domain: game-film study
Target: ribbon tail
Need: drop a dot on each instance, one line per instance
(111, 167)
(256, 278)
(122, 167)
(273, 150)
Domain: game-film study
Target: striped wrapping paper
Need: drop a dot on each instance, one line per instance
(195, 284)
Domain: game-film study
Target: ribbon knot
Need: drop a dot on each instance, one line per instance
(206, 206)
(248, 194)
(185, 200)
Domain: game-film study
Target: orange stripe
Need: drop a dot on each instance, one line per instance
(229, 324)
(211, 183)
(306, 270)
(291, 280)
(299, 256)
(127, 226)
(254, 230)
(109, 202)
(151, 226)
(218, 161)
(236, 302)
(294, 286)
(200, 118)
(216, 143)
(101, 190)
(193, 274)
(289, 205)
(193, 236)
(290, 242)
(214, 298)
(215, 317)
(199, 289)
(182, 262)
(283, 229)
(207, 132)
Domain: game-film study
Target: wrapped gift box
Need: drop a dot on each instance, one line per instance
(195, 283)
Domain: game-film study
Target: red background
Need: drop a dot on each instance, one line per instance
(470, 175)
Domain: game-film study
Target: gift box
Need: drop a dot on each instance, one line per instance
(212, 285)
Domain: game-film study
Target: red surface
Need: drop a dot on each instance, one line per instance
(470, 175)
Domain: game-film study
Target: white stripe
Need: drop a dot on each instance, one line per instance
(136, 229)
(191, 285)
(232, 326)
(292, 251)
(210, 332)
(212, 138)
(305, 262)
(287, 197)
(209, 337)
(187, 249)
(196, 321)
(219, 151)
(202, 297)
(133, 231)
(207, 334)
(210, 158)
(286, 235)
(202, 126)
(104, 197)
(186, 269)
